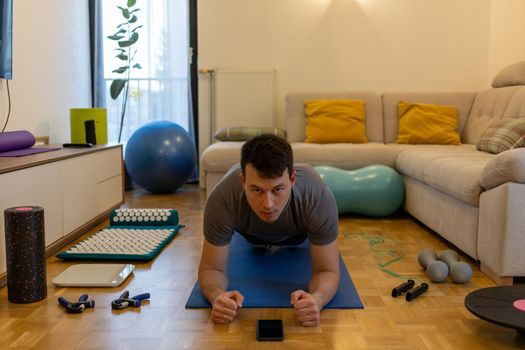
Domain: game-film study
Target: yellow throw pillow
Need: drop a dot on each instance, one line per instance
(335, 120)
(424, 123)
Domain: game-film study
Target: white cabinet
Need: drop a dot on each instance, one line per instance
(74, 187)
(91, 185)
(38, 186)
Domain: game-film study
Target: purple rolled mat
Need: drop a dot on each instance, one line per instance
(25, 254)
(15, 140)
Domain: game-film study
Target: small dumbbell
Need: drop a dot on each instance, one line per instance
(436, 270)
(460, 272)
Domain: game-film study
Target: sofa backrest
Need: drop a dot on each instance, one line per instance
(296, 117)
(490, 106)
(462, 100)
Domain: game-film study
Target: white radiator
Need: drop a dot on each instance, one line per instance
(242, 98)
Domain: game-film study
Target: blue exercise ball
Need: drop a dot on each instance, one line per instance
(160, 156)
(375, 190)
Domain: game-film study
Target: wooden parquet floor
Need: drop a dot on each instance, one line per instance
(374, 250)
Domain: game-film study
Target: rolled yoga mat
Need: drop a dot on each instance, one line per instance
(19, 143)
(15, 140)
(267, 278)
(25, 254)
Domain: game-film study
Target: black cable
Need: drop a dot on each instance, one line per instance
(9, 105)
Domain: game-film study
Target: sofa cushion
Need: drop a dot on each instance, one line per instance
(296, 116)
(457, 177)
(335, 120)
(510, 76)
(413, 159)
(425, 123)
(454, 170)
(508, 133)
(344, 155)
(220, 156)
(490, 106)
(462, 100)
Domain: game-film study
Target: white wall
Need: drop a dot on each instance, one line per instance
(507, 34)
(325, 45)
(50, 66)
(329, 45)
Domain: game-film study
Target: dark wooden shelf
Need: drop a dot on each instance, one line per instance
(8, 164)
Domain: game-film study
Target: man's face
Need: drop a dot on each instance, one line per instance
(267, 197)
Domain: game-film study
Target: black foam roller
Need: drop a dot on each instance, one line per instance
(25, 254)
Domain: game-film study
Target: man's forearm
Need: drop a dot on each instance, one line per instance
(212, 283)
(323, 286)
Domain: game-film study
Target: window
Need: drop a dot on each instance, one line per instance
(160, 90)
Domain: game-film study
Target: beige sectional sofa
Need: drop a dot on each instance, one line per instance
(473, 199)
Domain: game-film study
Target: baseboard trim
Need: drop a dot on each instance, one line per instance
(500, 280)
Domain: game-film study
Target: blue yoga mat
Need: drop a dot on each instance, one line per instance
(267, 278)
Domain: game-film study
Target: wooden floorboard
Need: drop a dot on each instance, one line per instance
(376, 252)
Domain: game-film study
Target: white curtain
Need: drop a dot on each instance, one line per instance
(158, 91)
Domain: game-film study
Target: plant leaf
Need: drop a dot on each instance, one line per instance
(133, 19)
(125, 12)
(137, 65)
(120, 70)
(134, 37)
(116, 88)
(125, 43)
(135, 29)
(116, 37)
(131, 3)
(132, 40)
(122, 57)
(133, 11)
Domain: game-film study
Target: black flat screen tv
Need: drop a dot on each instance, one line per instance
(6, 39)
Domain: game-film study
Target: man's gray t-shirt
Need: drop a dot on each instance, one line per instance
(311, 210)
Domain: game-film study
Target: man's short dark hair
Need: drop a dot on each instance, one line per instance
(270, 155)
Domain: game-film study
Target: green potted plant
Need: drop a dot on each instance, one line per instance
(126, 37)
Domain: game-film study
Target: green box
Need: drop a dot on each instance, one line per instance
(77, 118)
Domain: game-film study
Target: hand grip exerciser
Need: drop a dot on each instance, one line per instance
(78, 307)
(124, 300)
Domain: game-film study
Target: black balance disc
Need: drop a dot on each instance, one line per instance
(504, 306)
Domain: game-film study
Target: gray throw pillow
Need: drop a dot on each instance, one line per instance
(508, 133)
(239, 133)
(510, 76)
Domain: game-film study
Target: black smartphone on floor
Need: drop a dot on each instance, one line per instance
(270, 330)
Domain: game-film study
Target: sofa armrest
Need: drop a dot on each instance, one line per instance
(508, 166)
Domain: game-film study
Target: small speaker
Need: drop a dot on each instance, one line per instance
(91, 136)
(25, 254)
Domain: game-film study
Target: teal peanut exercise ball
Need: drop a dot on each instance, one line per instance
(375, 190)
